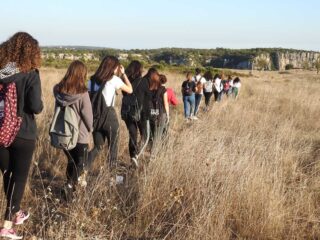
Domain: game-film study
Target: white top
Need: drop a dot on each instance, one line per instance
(237, 85)
(217, 84)
(198, 78)
(109, 90)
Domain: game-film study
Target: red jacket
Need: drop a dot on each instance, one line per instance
(172, 97)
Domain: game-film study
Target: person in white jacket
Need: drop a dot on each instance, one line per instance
(218, 87)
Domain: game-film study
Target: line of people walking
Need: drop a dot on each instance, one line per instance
(84, 108)
(207, 85)
(81, 109)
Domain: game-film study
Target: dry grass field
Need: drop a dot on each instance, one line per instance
(249, 169)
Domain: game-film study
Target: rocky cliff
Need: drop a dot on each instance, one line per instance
(268, 61)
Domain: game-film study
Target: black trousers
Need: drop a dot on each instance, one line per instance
(207, 97)
(110, 132)
(15, 163)
(133, 128)
(77, 162)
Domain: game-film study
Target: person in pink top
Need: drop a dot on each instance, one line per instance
(172, 99)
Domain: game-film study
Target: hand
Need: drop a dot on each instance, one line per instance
(121, 69)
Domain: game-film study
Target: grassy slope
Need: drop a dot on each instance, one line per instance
(248, 169)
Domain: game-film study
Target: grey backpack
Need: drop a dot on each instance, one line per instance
(64, 130)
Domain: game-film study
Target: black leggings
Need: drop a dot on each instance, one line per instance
(133, 128)
(15, 163)
(111, 133)
(207, 97)
(77, 161)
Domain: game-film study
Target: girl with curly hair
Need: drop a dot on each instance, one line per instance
(19, 61)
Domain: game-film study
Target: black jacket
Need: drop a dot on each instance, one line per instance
(29, 101)
(141, 90)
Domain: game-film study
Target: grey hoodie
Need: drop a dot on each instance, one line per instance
(82, 105)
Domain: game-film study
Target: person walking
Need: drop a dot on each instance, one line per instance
(188, 89)
(135, 110)
(208, 88)
(218, 87)
(20, 93)
(72, 92)
(109, 77)
(199, 81)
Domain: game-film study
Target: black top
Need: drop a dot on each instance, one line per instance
(159, 92)
(140, 88)
(29, 101)
(189, 84)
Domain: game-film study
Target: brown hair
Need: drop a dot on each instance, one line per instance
(134, 70)
(74, 80)
(21, 49)
(163, 79)
(106, 69)
(155, 83)
(189, 74)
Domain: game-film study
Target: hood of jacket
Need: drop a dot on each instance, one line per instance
(65, 99)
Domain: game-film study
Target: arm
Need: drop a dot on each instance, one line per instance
(86, 112)
(33, 96)
(127, 87)
(166, 103)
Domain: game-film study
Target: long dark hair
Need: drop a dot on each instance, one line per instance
(208, 76)
(216, 76)
(74, 80)
(106, 69)
(150, 72)
(134, 70)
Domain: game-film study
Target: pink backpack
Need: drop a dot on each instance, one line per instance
(9, 120)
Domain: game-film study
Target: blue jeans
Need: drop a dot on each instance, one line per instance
(198, 98)
(188, 103)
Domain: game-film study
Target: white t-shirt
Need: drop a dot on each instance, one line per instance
(198, 78)
(237, 85)
(110, 89)
(217, 84)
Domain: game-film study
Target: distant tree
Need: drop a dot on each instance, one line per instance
(306, 65)
(317, 65)
(289, 66)
(262, 64)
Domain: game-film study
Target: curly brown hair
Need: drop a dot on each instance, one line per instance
(22, 49)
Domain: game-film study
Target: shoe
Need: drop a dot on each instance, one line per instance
(119, 179)
(67, 192)
(20, 217)
(9, 233)
(135, 161)
(82, 179)
(195, 118)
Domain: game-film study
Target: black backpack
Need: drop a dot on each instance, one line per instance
(130, 108)
(187, 89)
(99, 106)
(156, 105)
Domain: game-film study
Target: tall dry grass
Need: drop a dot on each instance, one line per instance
(249, 169)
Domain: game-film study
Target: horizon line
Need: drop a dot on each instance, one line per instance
(159, 48)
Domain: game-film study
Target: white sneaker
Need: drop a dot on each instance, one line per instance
(119, 179)
(195, 118)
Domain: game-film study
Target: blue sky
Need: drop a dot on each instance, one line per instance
(167, 23)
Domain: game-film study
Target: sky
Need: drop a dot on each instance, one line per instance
(144, 24)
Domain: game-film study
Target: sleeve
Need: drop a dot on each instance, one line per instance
(33, 99)
(86, 112)
(118, 83)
